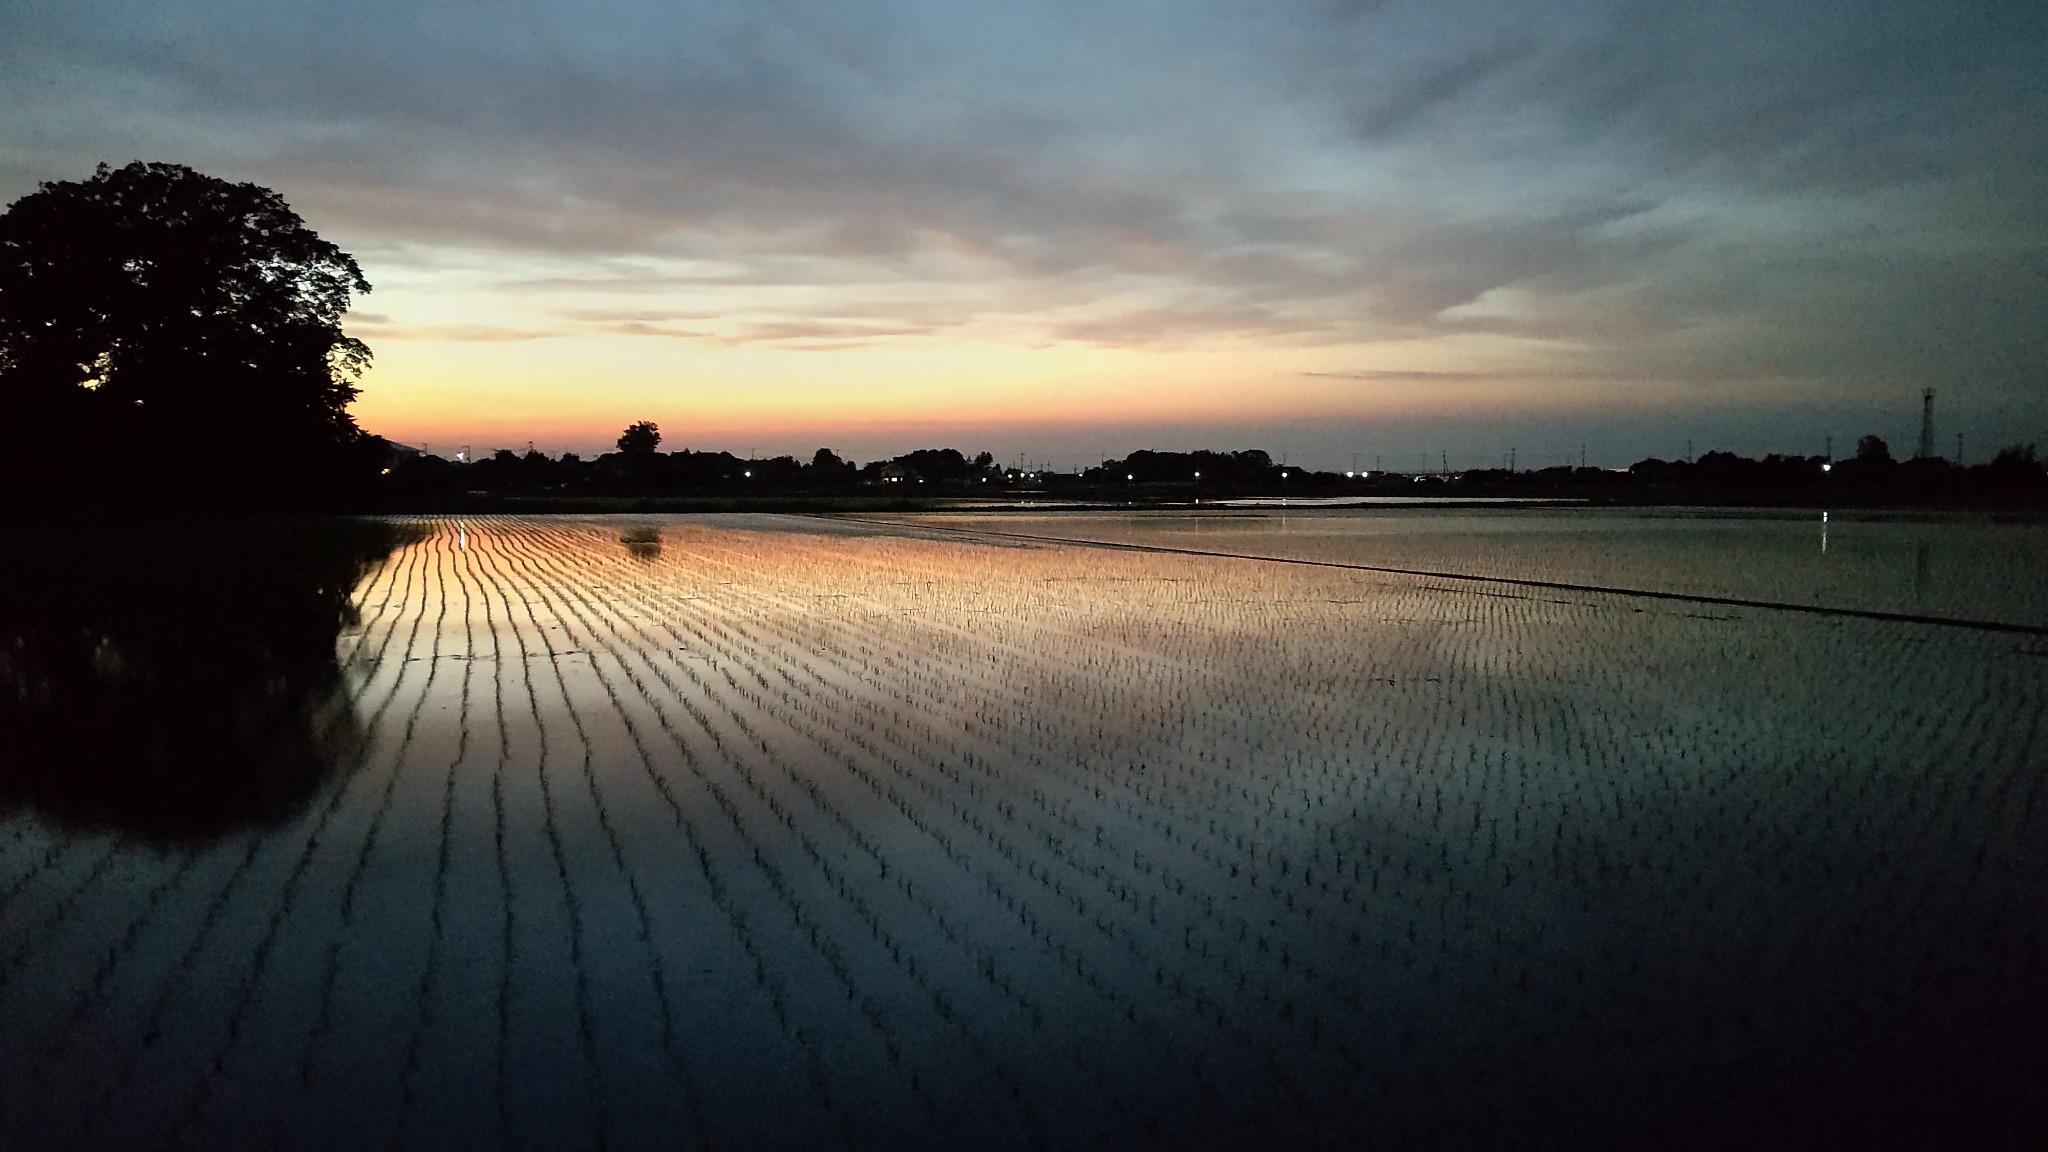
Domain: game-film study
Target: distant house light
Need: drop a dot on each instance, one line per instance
(1828, 467)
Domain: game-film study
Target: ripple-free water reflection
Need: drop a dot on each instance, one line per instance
(808, 834)
(642, 542)
(177, 681)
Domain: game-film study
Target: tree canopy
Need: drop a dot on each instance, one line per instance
(640, 438)
(185, 328)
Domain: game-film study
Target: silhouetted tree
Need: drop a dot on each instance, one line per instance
(939, 465)
(190, 325)
(828, 470)
(2016, 474)
(640, 438)
(2017, 460)
(1872, 450)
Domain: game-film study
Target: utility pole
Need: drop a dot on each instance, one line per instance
(1511, 460)
(1959, 449)
(1926, 424)
(1582, 456)
(1829, 451)
(1688, 449)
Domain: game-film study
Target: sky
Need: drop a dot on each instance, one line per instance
(1334, 229)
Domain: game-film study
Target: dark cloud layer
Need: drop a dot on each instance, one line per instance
(1841, 196)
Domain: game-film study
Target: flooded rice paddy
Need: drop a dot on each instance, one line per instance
(1900, 563)
(756, 831)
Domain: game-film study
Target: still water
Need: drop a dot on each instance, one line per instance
(1966, 567)
(758, 831)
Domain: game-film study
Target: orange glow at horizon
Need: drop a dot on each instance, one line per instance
(581, 389)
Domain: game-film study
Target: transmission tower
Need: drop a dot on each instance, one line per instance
(1926, 424)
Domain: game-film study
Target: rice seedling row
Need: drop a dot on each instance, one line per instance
(93, 1001)
(770, 830)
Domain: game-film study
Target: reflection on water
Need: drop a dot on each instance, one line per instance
(813, 834)
(1961, 567)
(1920, 576)
(642, 543)
(176, 681)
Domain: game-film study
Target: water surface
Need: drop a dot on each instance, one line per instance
(758, 831)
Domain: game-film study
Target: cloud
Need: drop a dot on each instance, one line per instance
(1187, 324)
(1838, 195)
(474, 333)
(1404, 376)
(1407, 108)
(651, 328)
(799, 334)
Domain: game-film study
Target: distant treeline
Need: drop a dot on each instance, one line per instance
(2014, 477)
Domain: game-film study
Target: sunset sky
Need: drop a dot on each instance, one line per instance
(1069, 229)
